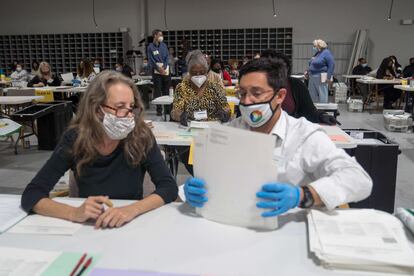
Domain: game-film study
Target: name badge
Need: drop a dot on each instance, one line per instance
(200, 115)
(155, 52)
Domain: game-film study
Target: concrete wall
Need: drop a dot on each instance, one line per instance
(332, 20)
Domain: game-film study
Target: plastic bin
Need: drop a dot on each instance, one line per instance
(355, 104)
(379, 157)
(52, 119)
(397, 120)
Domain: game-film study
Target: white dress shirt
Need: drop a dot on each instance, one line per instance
(305, 155)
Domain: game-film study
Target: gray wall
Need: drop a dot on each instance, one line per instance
(332, 20)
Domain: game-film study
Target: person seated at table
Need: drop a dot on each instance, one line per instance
(397, 66)
(312, 171)
(387, 71)
(217, 67)
(34, 69)
(85, 72)
(408, 71)
(20, 74)
(145, 69)
(45, 77)
(110, 148)
(197, 97)
(234, 68)
(298, 102)
(361, 69)
(123, 69)
(97, 65)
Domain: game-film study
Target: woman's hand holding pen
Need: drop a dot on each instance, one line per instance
(90, 209)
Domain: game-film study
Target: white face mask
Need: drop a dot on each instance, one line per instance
(199, 80)
(117, 128)
(160, 39)
(256, 115)
(18, 69)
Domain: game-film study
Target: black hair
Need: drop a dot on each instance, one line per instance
(271, 53)
(396, 61)
(275, 70)
(215, 61)
(155, 32)
(361, 59)
(411, 59)
(381, 72)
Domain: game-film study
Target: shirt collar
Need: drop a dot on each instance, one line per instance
(279, 129)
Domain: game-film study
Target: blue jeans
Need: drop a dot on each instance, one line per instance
(318, 90)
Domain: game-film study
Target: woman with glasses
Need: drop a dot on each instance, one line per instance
(109, 148)
(197, 97)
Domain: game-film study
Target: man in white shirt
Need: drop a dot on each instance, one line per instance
(311, 170)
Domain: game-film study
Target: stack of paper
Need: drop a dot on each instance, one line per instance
(10, 211)
(234, 164)
(360, 239)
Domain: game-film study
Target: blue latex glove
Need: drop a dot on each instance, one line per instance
(280, 198)
(194, 192)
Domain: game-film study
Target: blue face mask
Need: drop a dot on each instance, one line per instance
(364, 64)
(314, 50)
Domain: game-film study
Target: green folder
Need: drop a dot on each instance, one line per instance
(67, 261)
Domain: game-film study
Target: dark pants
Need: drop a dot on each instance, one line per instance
(391, 95)
(161, 88)
(145, 90)
(184, 153)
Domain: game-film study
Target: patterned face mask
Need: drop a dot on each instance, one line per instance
(117, 128)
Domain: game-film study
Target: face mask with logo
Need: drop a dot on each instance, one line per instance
(257, 114)
(199, 80)
(117, 128)
(160, 39)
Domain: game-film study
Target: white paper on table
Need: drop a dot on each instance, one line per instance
(10, 212)
(324, 77)
(360, 236)
(37, 224)
(67, 77)
(22, 262)
(235, 164)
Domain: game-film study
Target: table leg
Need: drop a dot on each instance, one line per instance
(377, 96)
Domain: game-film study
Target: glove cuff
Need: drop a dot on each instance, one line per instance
(297, 190)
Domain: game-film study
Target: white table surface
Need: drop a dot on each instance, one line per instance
(353, 76)
(404, 87)
(326, 106)
(173, 239)
(171, 134)
(18, 99)
(378, 81)
(298, 76)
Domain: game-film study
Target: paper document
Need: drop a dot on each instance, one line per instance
(22, 262)
(235, 164)
(37, 224)
(363, 239)
(324, 77)
(10, 212)
(67, 77)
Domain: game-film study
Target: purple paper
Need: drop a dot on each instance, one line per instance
(122, 272)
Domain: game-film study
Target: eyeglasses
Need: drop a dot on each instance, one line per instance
(255, 93)
(123, 111)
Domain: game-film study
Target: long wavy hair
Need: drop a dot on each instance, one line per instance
(89, 128)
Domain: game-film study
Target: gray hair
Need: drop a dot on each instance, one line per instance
(196, 57)
(320, 44)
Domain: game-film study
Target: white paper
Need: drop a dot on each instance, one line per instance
(22, 262)
(10, 212)
(363, 238)
(200, 115)
(42, 225)
(67, 77)
(324, 77)
(8, 126)
(235, 164)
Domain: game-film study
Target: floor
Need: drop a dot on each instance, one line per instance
(17, 170)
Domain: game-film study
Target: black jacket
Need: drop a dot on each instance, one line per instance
(55, 81)
(409, 71)
(361, 70)
(303, 103)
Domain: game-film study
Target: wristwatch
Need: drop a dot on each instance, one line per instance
(307, 201)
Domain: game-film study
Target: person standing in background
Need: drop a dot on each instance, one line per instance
(320, 72)
(361, 69)
(172, 59)
(157, 54)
